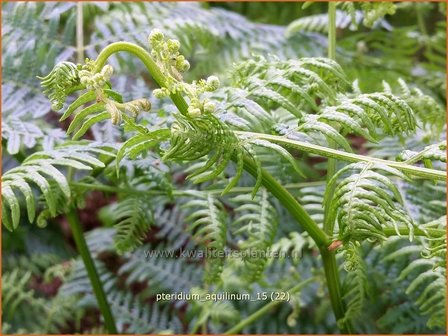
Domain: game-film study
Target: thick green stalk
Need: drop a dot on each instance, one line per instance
(332, 163)
(152, 67)
(265, 309)
(98, 290)
(291, 204)
(431, 174)
(334, 288)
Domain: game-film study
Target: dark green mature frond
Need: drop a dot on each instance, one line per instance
(24, 308)
(161, 271)
(346, 18)
(366, 202)
(257, 223)
(428, 282)
(426, 200)
(137, 317)
(319, 22)
(39, 170)
(19, 134)
(210, 230)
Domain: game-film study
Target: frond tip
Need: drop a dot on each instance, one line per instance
(59, 82)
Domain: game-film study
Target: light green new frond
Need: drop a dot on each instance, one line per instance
(59, 83)
(435, 245)
(376, 110)
(426, 109)
(436, 152)
(373, 11)
(257, 223)
(366, 202)
(133, 218)
(194, 138)
(355, 284)
(293, 85)
(208, 225)
(39, 170)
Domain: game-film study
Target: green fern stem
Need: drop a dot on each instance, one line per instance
(98, 290)
(334, 288)
(332, 163)
(404, 231)
(265, 309)
(147, 60)
(291, 204)
(426, 173)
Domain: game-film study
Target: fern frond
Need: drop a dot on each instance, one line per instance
(292, 84)
(137, 317)
(380, 110)
(257, 223)
(209, 227)
(426, 109)
(355, 284)
(436, 152)
(133, 217)
(428, 284)
(59, 82)
(319, 22)
(40, 170)
(161, 271)
(217, 311)
(366, 202)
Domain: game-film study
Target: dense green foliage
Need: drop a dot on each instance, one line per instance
(209, 132)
